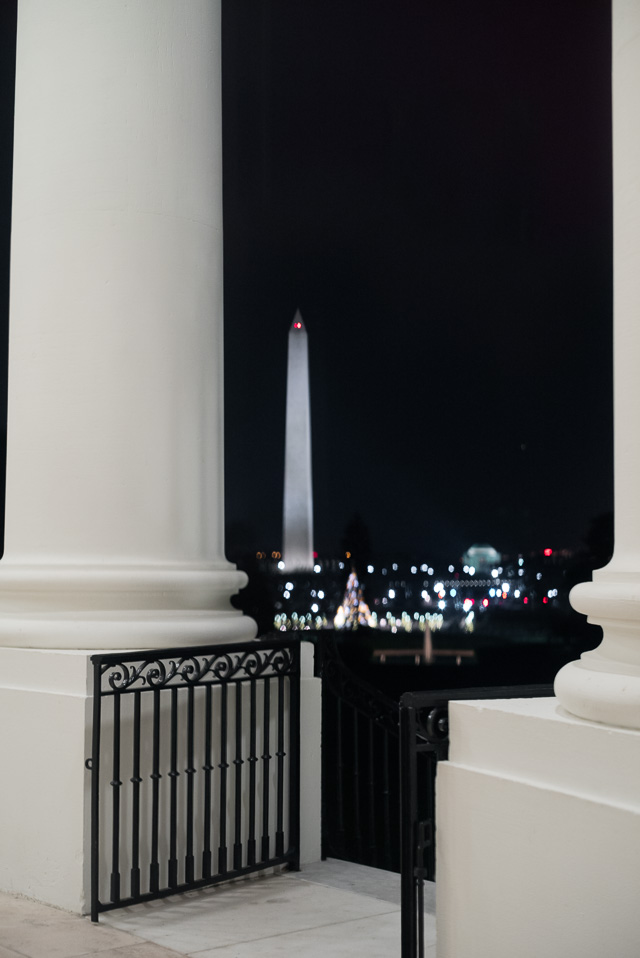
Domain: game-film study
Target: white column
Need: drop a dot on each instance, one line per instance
(114, 514)
(604, 685)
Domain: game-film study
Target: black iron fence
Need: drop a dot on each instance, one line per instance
(424, 741)
(360, 762)
(200, 748)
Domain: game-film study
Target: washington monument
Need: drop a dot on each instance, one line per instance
(297, 531)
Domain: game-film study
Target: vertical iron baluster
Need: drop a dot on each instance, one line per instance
(207, 768)
(190, 772)
(340, 780)
(154, 868)
(280, 754)
(356, 783)
(264, 854)
(294, 760)
(253, 758)
(223, 766)
(408, 818)
(238, 762)
(115, 785)
(95, 790)
(386, 811)
(135, 811)
(173, 801)
(372, 857)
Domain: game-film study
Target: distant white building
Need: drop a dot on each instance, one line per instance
(482, 557)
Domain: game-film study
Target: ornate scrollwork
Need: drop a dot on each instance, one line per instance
(193, 669)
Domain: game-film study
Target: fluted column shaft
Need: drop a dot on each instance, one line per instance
(114, 512)
(604, 685)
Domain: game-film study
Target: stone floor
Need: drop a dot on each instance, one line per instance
(328, 909)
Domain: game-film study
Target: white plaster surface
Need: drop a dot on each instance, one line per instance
(310, 758)
(43, 836)
(114, 520)
(537, 836)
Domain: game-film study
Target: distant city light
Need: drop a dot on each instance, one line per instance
(520, 571)
(452, 593)
(430, 571)
(539, 576)
(384, 571)
(472, 570)
(494, 573)
(395, 566)
(321, 594)
(347, 555)
(384, 600)
(492, 593)
(441, 604)
(281, 565)
(466, 605)
(450, 568)
(505, 586)
(520, 561)
(517, 594)
(423, 567)
(369, 568)
(414, 569)
(392, 593)
(314, 607)
(316, 568)
(439, 586)
(289, 585)
(341, 565)
(465, 568)
(287, 594)
(425, 594)
(485, 603)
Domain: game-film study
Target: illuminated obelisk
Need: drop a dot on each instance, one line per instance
(297, 531)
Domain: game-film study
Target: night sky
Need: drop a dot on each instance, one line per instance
(430, 183)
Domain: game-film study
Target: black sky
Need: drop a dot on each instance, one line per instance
(430, 182)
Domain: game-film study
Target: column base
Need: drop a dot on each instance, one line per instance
(120, 607)
(604, 684)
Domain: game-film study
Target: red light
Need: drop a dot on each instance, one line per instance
(548, 552)
(545, 600)
(525, 600)
(315, 555)
(297, 325)
(485, 602)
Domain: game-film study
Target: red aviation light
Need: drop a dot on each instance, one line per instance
(297, 325)
(548, 552)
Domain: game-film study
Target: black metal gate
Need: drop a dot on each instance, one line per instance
(424, 741)
(360, 766)
(202, 747)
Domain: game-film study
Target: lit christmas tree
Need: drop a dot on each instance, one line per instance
(354, 611)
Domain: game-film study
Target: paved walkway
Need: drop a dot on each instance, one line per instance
(328, 909)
